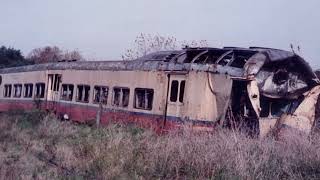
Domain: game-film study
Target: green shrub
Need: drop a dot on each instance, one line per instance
(29, 119)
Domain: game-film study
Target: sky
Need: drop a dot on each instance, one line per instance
(104, 29)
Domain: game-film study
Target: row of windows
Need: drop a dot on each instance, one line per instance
(143, 97)
(25, 90)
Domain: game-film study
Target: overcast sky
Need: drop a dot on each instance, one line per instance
(104, 29)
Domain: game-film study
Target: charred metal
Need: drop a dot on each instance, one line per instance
(271, 88)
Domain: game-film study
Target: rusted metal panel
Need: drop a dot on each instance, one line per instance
(254, 96)
(267, 126)
(304, 116)
(221, 86)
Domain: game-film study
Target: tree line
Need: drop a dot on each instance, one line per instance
(11, 57)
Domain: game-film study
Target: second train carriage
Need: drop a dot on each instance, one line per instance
(199, 87)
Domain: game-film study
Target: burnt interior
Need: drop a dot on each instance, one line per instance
(274, 108)
(281, 76)
(240, 112)
(292, 65)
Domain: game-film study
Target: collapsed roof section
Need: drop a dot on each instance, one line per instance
(279, 73)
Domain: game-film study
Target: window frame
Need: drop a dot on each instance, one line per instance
(82, 100)
(42, 93)
(5, 94)
(62, 97)
(30, 94)
(180, 98)
(94, 95)
(174, 95)
(121, 100)
(14, 90)
(145, 95)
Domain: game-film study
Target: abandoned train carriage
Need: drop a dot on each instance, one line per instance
(200, 87)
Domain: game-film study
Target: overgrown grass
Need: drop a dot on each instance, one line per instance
(37, 146)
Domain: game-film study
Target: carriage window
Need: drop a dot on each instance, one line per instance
(121, 96)
(50, 80)
(143, 98)
(100, 94)
(67, 92)
(28, 89)
(57, 80)
(7, 90)
(174, 91)
(40, 89)
(181, 94)
(17, 90)
(83, 93)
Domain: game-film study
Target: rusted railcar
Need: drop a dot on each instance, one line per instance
(260, 89)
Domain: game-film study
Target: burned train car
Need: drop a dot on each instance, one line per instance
(261, 89)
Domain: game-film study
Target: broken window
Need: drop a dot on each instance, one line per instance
(28, 89)
(40, 89)
(67, 92)
(177, 91)
(277, 107)
(143, 98)
(181, 58)
(202, 59)
(17, 90)
(240, 58)
(213, 56)
(83, 93)
(121, 96)
(7, 90)
(226, 59)
(238, 62)
(100, 94)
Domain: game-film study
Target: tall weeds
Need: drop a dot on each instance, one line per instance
(51, 149)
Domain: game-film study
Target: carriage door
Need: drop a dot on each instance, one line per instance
(54, 81)
(176, 95)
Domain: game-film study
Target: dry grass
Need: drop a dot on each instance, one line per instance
(35, 146)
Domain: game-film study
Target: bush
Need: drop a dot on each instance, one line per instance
(27, 119)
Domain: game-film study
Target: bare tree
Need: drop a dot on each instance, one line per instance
(194, 43)
(52, 54)
(45, 54)
(73, 55)
(147, 43)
